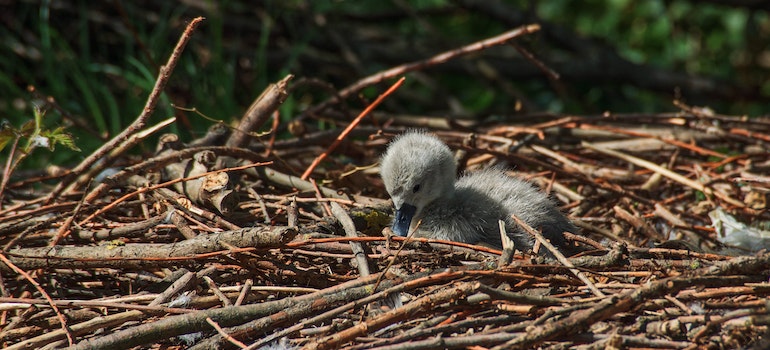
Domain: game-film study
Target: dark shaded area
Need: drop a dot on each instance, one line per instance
(98, 60)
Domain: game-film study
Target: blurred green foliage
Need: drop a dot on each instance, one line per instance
(99, 60)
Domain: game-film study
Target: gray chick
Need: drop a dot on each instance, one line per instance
(419, 174)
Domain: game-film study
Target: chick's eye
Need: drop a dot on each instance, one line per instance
(416, 188)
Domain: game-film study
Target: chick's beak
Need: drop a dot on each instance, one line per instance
(403, 219)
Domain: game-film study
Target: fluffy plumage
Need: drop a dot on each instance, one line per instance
(419, 174)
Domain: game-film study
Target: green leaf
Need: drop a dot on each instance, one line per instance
(58, 136)
(27, 128)
(6, 136)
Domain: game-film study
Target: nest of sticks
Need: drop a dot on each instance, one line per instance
(279, 242)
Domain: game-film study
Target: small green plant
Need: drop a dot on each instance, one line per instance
(32, 134)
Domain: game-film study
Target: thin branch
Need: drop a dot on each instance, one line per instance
(350, 127)
(45, 295)
(437, 59)
(559, 256)
(149, 108)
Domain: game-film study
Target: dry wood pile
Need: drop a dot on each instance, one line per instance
(207, 246)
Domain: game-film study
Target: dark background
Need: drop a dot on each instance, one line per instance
(99, 60)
